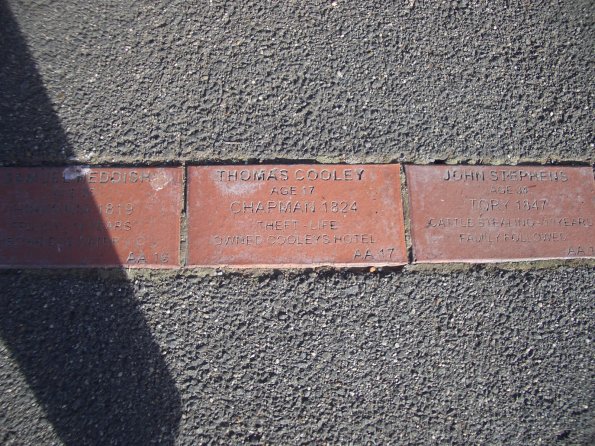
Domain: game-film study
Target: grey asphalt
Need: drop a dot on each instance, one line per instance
(493, 355)
(369, 80)
(480, 356)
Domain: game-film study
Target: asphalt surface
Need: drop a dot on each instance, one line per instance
(484, 355)
(481, 356)
(358, 81)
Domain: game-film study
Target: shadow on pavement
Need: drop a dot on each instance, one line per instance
(79, 337)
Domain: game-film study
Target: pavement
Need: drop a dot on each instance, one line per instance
(491, 354)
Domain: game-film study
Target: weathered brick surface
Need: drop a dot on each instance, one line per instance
(86, 216)
(500, 213)
(295, 215)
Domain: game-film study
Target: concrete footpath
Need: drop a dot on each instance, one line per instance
(495, 354)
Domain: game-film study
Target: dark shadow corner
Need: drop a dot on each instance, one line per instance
(79, 337)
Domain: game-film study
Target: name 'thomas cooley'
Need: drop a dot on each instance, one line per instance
(309, 174)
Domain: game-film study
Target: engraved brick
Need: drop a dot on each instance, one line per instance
(501, 213)
(295, 216)
(85, 216)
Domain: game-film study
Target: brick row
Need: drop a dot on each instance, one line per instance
(298, 215)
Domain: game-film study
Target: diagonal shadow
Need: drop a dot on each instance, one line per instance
(79, 338)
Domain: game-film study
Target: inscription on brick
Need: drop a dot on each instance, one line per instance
(295, 215)
(484, 214)
(82, 216)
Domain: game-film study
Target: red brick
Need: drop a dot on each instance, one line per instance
(84, 216)
(297, 216)
(490, 214)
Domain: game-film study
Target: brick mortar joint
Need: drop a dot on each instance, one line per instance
(156, 163)
(194, 272)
